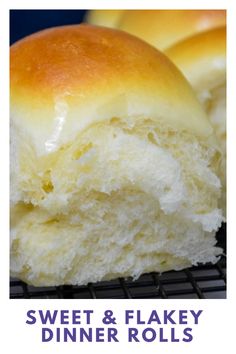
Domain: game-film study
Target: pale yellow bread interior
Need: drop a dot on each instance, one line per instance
(51, 94)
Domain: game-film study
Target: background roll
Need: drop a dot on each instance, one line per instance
(107, 18)
(161, 28)
(202, 60)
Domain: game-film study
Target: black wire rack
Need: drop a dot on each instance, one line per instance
(205, 282)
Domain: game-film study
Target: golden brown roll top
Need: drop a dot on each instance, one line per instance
(64, 79)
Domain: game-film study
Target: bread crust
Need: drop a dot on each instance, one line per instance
(64, 79)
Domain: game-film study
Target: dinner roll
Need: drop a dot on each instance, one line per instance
(202, 60)
(113, 160)
(161, 28)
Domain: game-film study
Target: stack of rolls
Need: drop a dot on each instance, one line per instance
(113, 160)
(160, 28)
(195, 40)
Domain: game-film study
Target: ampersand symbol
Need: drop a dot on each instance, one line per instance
(108, 319)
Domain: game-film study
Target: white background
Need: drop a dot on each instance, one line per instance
(215, 332)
